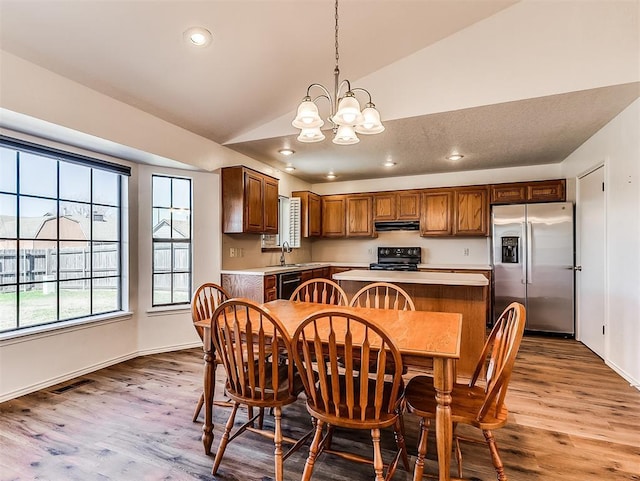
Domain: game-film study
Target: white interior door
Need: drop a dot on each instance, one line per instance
(590, 209)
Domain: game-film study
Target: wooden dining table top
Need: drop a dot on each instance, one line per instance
(419, 334)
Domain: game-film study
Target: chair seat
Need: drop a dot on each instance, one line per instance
(268, 397)
(341, 418)
(420, 397)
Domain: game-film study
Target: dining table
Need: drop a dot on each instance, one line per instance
(425, 340)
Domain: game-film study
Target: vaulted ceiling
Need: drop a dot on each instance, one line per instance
(503, 82)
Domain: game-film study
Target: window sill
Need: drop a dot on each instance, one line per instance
(37, 332)
(164, 310)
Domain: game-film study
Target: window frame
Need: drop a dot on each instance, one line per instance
(57, 239)
(172, 241)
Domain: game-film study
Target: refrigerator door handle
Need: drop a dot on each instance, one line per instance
(529, 252)
(525, 241)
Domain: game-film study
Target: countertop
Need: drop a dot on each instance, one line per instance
(261, 271)
(438, 278)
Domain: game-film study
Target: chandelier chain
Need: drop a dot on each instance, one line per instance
(337, 56)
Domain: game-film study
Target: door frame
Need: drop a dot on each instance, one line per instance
(602, 164)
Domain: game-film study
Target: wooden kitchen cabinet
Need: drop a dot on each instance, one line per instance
(258, 288)
(396, 205)
(310, 213)
(385, 206)
(408, 205)
(437, 213)
(334, 208)
(249, 202)
(359, 219)
(270, 288)
(321, 273)
(528, 192)
(471, 211)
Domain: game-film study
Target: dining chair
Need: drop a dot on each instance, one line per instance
(347, 394)
(248, 339)
(204, 302)
(383, 295)
(481, 406)
(322, 291)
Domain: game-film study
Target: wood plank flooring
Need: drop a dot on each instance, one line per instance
(571, 418)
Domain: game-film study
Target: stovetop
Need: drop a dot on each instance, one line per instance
(397, 259)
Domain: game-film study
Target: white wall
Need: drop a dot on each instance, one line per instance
(42, 107)
(618, 145)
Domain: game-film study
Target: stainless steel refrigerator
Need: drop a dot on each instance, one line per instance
(533, 263)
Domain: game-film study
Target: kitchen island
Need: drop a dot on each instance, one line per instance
(458, 292)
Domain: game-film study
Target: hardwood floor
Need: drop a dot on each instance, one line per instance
(571, 418)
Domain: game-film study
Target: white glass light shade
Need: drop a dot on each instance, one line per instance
(345, 135)
(311, 135)
(371, 123)
(307, 116)
(348, 112)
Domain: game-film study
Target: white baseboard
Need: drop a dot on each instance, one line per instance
(625, 375)
(89, 369)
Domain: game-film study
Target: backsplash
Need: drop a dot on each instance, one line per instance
(434, 250)
(440, 250)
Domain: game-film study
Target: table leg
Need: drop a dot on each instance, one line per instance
(443, 383)
(209, 387)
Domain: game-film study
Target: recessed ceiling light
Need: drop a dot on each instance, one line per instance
(289, 168)
(389, 163)
(331, 176)
(286, 152)
(198, 36)
(455, 156)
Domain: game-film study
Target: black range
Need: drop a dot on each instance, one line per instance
(397, 259)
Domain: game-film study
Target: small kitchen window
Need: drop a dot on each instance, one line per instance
(288, 225)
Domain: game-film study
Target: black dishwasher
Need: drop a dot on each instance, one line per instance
(287, 283)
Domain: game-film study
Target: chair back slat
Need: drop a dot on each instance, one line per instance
(350, 355)
(255, 350)
(498, 357)
(205, 301)
(321, 291)
(383, 295)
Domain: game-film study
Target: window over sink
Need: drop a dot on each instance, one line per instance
(288, 225)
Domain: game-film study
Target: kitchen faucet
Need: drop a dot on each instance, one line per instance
(286, 245)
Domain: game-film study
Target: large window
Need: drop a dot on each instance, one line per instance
(171, 240)
(60, 236)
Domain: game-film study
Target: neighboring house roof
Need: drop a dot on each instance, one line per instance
(180, 229)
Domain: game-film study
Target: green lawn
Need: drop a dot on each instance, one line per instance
(39, 308)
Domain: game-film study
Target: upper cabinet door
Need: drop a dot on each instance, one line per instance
(437, 213)
(315, 216)
(384, 206)
(270, 206)
(249, 202)
(333, 215)
(521, 192)
(253, 204)
(471, 211)
(310, 213)
(359, 219)
(408, 205)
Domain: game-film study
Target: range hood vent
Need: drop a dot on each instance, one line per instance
(397, 225)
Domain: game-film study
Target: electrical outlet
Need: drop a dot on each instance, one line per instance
(232, 252)
(465, 252)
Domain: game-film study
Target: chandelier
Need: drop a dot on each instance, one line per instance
(346, 117)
